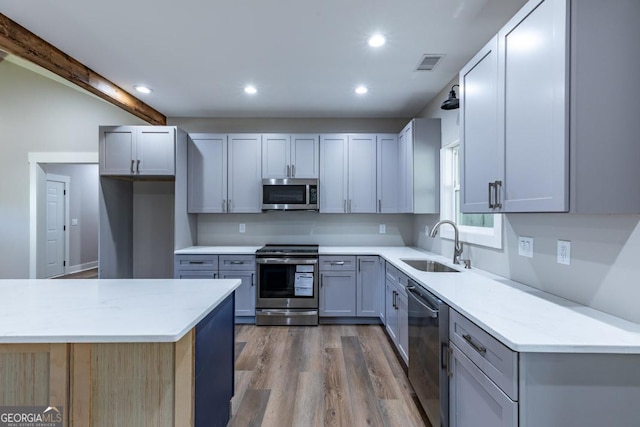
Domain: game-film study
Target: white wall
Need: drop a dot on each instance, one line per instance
(604, 248)
(38, 114)
(83, 206)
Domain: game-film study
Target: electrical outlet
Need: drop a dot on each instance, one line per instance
(382, 229)
(241, 228)
(74, 221)
(525, 246)
(564, 252)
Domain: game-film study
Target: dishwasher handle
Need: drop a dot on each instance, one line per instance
(417, 297)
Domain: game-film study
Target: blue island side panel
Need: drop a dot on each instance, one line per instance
(214, 365)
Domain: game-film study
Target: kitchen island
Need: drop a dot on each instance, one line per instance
(119, 352)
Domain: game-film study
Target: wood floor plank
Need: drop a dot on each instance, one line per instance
(366, 410)
(251, 410)
(280, 409)
(394, 413)
(266, 368)
(309, 405)
(331, 336)
(337, 404)
(381, 374)
(238, 349)
(312, 350)
(242, 379)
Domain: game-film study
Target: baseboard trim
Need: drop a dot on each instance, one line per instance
(81, 267)
(350, 321)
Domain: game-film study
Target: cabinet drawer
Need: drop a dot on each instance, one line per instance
(403, 281)
(237, 263)
(196, 262)
(391, 273)
(338, 263)
(496, 360)
(196, 274)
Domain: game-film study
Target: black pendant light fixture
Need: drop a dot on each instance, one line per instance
(452, 102)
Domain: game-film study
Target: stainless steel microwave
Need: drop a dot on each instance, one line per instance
(290, 194)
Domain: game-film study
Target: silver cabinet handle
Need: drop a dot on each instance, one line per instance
(293, 171)
(224, 206)
(132, 163)
(448, 356)
(288, 171)
(359, 264)
(321, 280)
(394, 300)
(498, 186)
(337, 262)
(349, 205)
(236, 262)
(345, 205)
(215, 275)
(253, 279)
(379, 206)
(477, 347)
(138, 166)
(491, 205)
(229, 205)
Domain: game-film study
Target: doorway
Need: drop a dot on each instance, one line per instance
(40, 165)
(57, 227)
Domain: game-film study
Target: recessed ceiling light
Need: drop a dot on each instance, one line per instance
(361, 90)
(142, 89)
(251, 90)
(377, 40)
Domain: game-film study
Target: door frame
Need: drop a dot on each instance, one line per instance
(37, 187)
(66, 180)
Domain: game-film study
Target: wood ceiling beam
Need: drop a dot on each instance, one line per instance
(19, 41)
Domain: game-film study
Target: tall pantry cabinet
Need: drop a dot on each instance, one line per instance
(564, 139)
(143, 201)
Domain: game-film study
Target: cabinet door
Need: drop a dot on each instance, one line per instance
(368, 286)
(382, 307)
(405, 166)
(402, 304)
(155, 150)
(533, 80)
(481, 151)
(207, 173)
(305, 156)
(387, 177)
(276, 162)
(245, 293)
(474, 400)
(244, 174)
(333, 173)
(391, 316)
(337, 294)
(117, 146)
(362, 174)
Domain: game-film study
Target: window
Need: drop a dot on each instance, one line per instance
(479, 229)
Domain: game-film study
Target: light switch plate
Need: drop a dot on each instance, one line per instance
(241, 228)
(564, 252)
(525, 246)
(74, 221)
(382, 229)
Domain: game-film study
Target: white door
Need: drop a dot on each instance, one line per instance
(55, 228)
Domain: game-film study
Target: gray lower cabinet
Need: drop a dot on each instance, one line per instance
(397, 310)
(368, 287)
(337, 294)
(241, 267)
(492, 385)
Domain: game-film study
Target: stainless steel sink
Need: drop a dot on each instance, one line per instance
(430, 266)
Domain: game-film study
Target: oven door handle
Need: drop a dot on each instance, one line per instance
(292, 261)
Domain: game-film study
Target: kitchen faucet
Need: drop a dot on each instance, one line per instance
(457, 246)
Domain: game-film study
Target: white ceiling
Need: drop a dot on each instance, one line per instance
(304, 56)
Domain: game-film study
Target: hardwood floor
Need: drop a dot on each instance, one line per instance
(330, 375)
(86, 274)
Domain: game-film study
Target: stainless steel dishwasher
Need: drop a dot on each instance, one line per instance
(428, 352)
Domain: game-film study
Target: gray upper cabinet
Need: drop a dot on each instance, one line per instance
(419, 167)
(387, 179)
(561, 145)
(290, 156)
(481, 153)
(348, 173)
(224, 173)
(137, 150)
(207, 173)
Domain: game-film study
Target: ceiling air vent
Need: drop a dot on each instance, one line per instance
(428, 62)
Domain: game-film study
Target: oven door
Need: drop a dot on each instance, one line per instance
(287, 283)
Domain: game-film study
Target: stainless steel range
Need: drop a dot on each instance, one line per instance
(287, 291)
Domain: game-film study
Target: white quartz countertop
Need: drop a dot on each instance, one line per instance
(524, 318)
(107, 310)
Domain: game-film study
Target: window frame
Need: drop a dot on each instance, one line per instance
(481, 236)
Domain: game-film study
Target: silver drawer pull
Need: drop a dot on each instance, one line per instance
(236, 262)
(196, 262)
(480, 349)
(337, 262)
